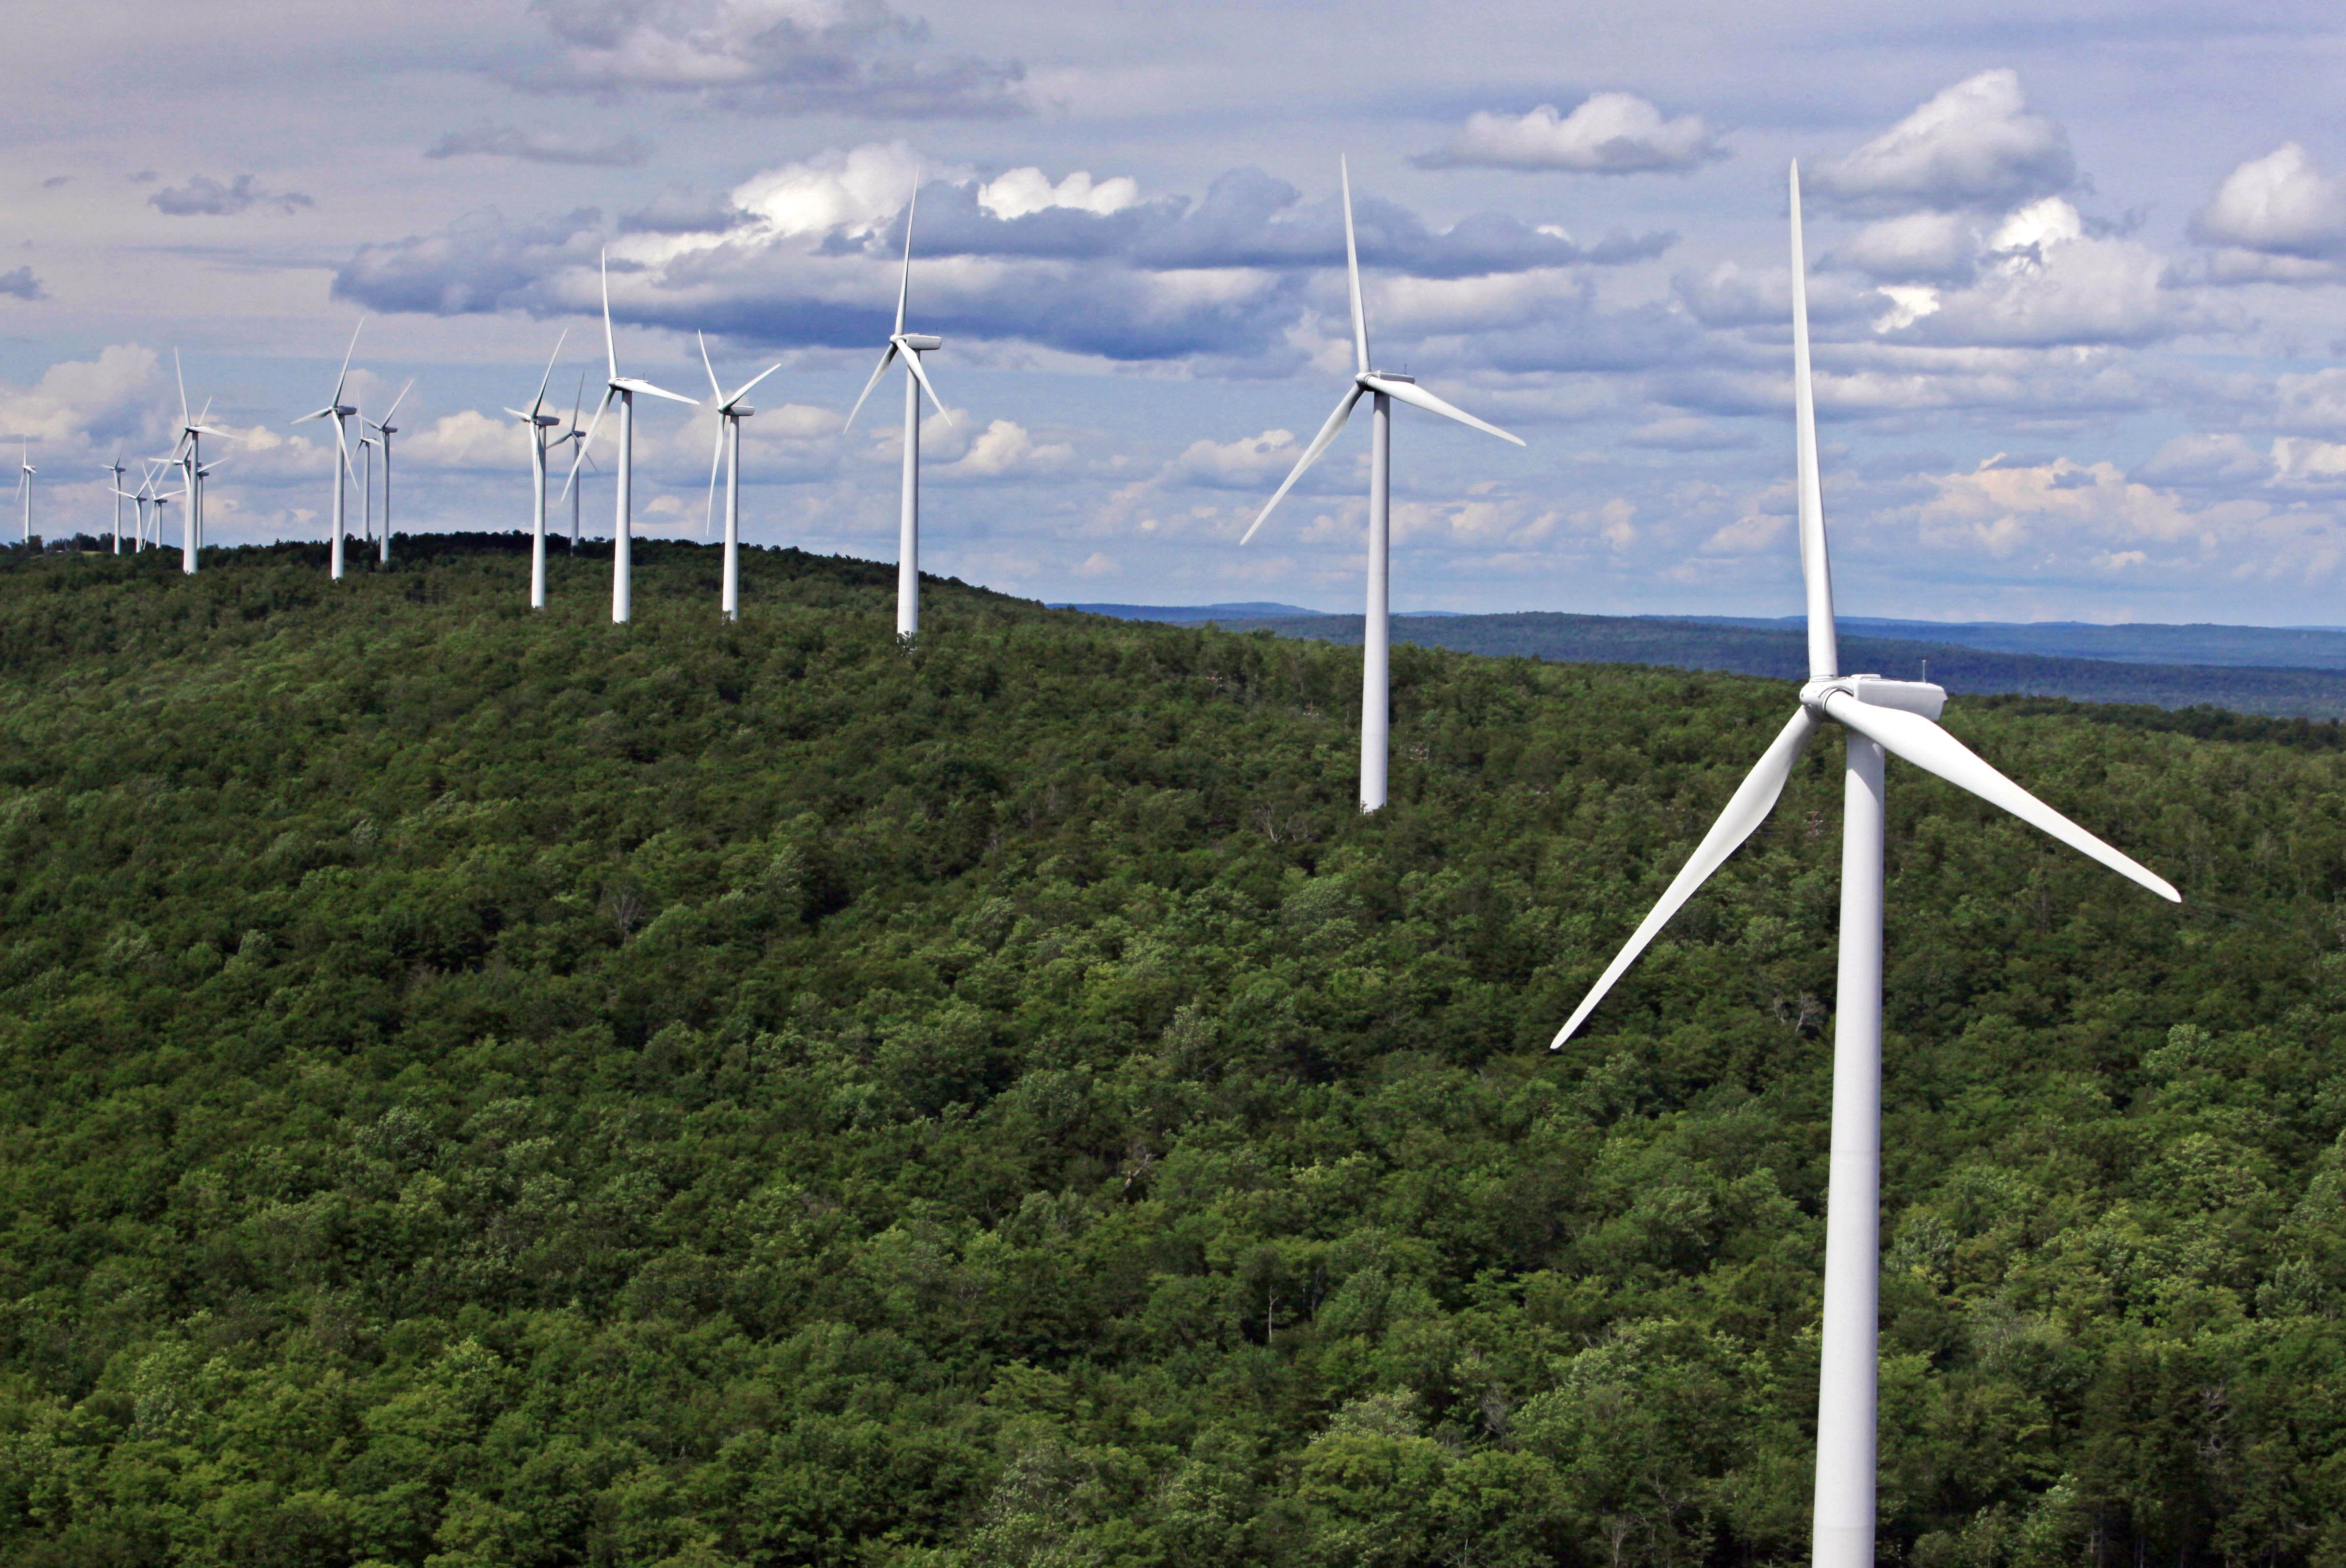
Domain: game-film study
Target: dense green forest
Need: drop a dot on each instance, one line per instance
(1964, 668)
(483, 1089)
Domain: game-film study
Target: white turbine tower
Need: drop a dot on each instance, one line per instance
(731, 413)
(625, 389)
(912, 345)
(383, 430)
(339, 411)
(115, 472)
(1386, 388)
(25, 471)
(1898, 717)
(539, 422)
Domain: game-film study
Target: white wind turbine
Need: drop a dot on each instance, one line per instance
(539, 422)
(383, 430)
(339, 411)
(574, 432)
(912, 345)
(623, 388)
(731, 413)
(138, 500)
(1896, 716)
(186, 455)
(114, 483)
(25, 471)
(1386, 388)
(366, 478)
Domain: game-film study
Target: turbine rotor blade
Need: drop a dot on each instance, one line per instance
(1310, 454)
(714, 390)
(715, 458)
(1411, 393)
(1816, 566)
(344, 373)
(754, 380)
(538, 403)
(885, 361)
(588, 440)
(904, 284)
(1933, 749)
(1352, 267)
(1746, 809)
(912, 363)
(610, 343)
(636, 384)
(181, 376)
(402, 398)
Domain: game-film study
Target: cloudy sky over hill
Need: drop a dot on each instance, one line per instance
(2079, 283)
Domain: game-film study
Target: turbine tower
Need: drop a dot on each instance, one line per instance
(1386, 389)
(1897, 718)
(912, 345)
(538, 420)
(339, 411)
(623, 388)
(25, 471)
(383, 430)
(114, 483)
(731, 413)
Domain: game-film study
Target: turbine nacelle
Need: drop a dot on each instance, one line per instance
(922, 342)
(1905, 696)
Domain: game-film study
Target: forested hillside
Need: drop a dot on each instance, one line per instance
(479, 1088)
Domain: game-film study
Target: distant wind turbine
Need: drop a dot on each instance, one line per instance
(339, 411)
(25, 471)
(575, 432)
(383, 430)
(731, 413)
(137, 499)
(623, 388)
(539, 422)
(912, 345)
(115, 484)
(366, 478)
(1893, 717)
(186, 455)
(1385, 388)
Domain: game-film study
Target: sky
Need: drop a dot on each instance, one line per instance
(2077, 284)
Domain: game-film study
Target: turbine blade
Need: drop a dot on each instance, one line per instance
(1410, 392)
(904, 284)
(588, 440)
(714, 390)
(610, 345)
(181, 376)
(1816, 566)
(538, 403)
(344, 373)
(1310, 454)
(305, 418)
(578, 400)
(885, 360)
(637, 384)
(716, 457)
(401, 399)
(1933, 749)
(912, 363)
(1352, 267)
(754, 380)
(1746, 809)
(517, 414)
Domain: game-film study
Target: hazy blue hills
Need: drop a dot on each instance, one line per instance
(2297, 648)
(1186, 615)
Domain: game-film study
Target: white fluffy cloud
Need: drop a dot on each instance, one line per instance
(1022, 191)
(853, 193)
(1608, 133)
(1005, 449)
(2281, 204)
(1974, 145)
(1247, 463)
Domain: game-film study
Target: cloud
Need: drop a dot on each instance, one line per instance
(468, 440)
(487, 140)
(1245, 463)
(1915, 246)
(479, 263)
(1608, 133)
(1005, 449)
(55, 180)
(2278, 205)
(1976, 145)
(2061, 504)
(2048, 282)
(1685, 433)
(2201, 460)
(203, 196)
(771, 56)
(2301, 463)
(1022, 191)
(20, 283)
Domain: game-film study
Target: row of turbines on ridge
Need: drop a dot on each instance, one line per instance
(1881, 718)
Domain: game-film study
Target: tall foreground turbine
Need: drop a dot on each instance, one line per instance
(1896, 716)
(1386, 388)
(339, 411)
(539, 422)
(731, 413)
(912, 345)
(625, 389)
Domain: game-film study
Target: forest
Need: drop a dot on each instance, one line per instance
(484, 1088)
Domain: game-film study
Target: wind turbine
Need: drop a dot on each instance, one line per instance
(115, 484)
(366, 478)
(187, 454)
(1386, 388)
(731, 413)
(539, 421)
(574, 433)
(339, 411)
(138, 500)
(912, 345)
(623, 388)
(1895, 717)
(25, 471)
(384, 430)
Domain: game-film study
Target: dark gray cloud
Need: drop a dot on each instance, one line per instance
(1976, 146)
(203, 196)
(479, 263)
(770, 56)
(55, 180)
(487, 140)
(19, 283)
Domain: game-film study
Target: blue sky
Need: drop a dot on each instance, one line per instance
(2078, 282)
